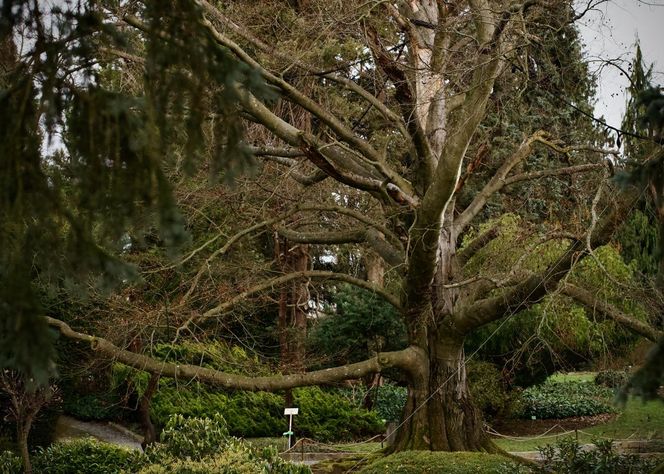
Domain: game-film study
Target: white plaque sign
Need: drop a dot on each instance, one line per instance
(291, 411)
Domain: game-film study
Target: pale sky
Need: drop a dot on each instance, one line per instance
(610, 32)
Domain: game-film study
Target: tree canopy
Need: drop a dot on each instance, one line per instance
(393, 142)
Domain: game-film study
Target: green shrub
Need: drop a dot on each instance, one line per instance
(325, 415)
(84, 456)
(488, 389)
(194, 438)
(564, 400)
(611, 378)
(390, 400)
(92, 406)
(10, 463)
(568, 457)
(202, 446)
(421, 462)
(236, 458)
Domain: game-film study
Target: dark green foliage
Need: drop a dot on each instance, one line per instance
(10, 463)
(611, 378)
(421, 462)
(97, 406)
(324, 415)
(488, 389)
(564, 400)
(358, 324)
(647, 380)
(568, 457)
(65, 214)
(390, 400)
(639, 240)
(84, 456)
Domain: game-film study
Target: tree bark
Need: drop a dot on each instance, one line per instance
(439, 413)
(149, 431)
(23, 431)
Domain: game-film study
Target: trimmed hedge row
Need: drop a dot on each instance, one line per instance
(324, 415)
(564, 399)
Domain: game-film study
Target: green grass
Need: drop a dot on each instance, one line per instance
(637, 420)
(282, 444)
(573, 377)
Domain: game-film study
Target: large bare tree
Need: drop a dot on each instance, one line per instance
(423, 76)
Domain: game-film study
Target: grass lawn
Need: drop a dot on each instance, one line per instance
(311, 447)
(637, 420)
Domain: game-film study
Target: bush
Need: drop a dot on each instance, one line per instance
(92, 406)
(564, 400)
(568, 457)
(611, 378)
(488, 389)
(390, 400)
(235, 458)
(324, 414)
(420, 462)
(194, 438)
(202, 446)
(10, 463)
(84, 456)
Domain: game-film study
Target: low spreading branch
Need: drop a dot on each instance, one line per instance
(402, 359)
(605, 310)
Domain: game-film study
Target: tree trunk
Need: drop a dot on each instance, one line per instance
(23, 430)
(439, 413)
(149, 432)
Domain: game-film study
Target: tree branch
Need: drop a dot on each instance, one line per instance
(244, 33)
(403, 359)
(499, 180)
(534, 288)
(607, 310)
(293, 94)
(278, 281)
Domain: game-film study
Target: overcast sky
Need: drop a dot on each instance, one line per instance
(610, 32)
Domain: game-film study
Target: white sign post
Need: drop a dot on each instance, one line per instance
(290, 412)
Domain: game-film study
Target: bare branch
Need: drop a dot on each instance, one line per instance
(350, 236)
(347, 83)
(499, 180)
(403, 359)
(292, 93)
(555, 172)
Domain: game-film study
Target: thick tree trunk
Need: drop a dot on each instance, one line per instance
(439, 413)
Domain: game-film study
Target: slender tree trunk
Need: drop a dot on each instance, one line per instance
(23, 431)
(439, 413)
(149, 431)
